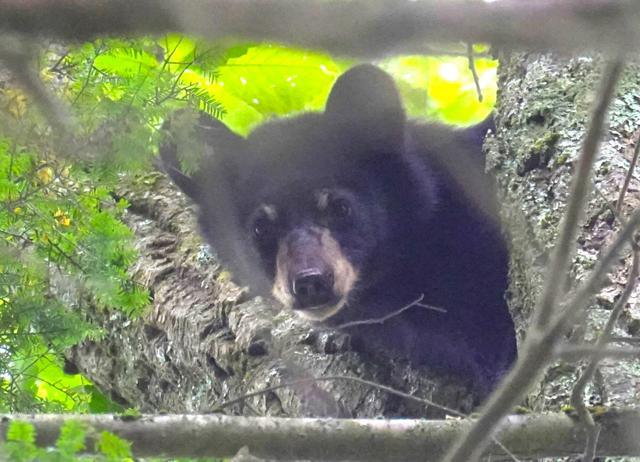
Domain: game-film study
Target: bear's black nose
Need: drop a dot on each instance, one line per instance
(312, 288)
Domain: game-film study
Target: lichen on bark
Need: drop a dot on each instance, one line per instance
(541, 117)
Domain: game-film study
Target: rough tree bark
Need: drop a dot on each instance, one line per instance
(541, 117)
(203, 342)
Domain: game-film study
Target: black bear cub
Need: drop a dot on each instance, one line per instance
(354, 213)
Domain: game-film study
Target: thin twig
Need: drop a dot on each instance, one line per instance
(627, 178)
(537, 353)
(573, 353)
(332, 378)
(592, 284)
(59, 61)
(383, 319)
(393, 391)
(540, 343)
(472, 68)
(629, 340)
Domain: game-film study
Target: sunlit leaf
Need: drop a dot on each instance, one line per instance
(270, 80)
(444, 88)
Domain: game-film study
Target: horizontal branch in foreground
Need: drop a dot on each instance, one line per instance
(356, 27)
(527, 436)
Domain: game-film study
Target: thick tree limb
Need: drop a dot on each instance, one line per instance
(537, 352)
(565, 245)
(360, 27)
(203, 344)
(527, 436)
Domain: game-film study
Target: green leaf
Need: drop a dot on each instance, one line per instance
(71, 439)
(113, 447)
(99, 403)
(54, 386)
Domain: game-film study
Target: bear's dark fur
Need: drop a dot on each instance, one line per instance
(351, 214)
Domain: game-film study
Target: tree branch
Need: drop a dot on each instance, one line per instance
(527, 436)
(358, 27)
(571, 354)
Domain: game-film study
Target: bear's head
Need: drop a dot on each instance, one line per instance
(305, 207)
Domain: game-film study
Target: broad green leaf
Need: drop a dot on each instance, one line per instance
(278, 80)
(452, 91)
(178, 50)
(239, 115)
(54, 386)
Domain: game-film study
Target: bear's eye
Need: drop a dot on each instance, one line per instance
(263, 228)
(339, 208)
(264, 224)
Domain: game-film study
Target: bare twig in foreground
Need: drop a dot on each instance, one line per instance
(540, 343)
(576, 353)
(390, 390)
(539, 348)
(381, 320)
(332, 378)
(627, 178)
(474, 73)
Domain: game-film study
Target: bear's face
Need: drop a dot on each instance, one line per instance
(312, 234)
(309, 248)
(304, 200)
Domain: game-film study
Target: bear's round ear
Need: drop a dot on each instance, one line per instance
(197, 148)
(366, 99)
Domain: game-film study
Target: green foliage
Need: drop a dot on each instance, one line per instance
(71, 439)
(58, 233)
(113, 447)
(443, 88)
(21, 432)
(273, 80)
(20, 446)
